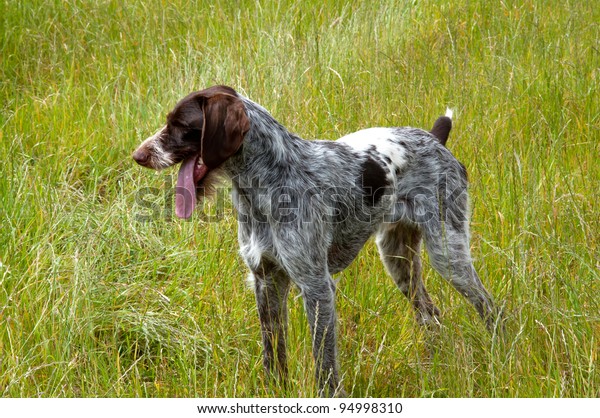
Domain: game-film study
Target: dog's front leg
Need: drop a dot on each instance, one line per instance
(271, 290)
(319, 302)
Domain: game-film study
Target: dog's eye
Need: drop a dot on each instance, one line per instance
(178, 125)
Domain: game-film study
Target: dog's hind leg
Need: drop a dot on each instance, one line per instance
(449, 253)
(399, 247)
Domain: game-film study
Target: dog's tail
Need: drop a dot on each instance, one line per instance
(442, 126)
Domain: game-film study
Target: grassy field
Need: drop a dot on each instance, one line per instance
(97, 300)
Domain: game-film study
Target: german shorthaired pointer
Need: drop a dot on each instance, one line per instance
(306, 208)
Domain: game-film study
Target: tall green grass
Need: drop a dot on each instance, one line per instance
(96, 302)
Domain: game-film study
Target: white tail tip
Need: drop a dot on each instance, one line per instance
(449, 113)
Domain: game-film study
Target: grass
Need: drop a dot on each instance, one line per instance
(96, 302)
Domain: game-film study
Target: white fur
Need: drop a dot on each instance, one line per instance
(381, 138)
(163, 159)
(251, 251)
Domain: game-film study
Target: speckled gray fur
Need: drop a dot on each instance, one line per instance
(303, 217)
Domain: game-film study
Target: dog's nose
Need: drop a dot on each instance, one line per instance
(141, 156)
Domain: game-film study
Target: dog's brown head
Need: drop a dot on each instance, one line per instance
(203, 130)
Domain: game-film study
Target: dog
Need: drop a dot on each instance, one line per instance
(306, 208)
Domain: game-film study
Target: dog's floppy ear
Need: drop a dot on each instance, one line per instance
(225, 124)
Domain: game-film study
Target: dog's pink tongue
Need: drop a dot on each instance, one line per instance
(185, 193)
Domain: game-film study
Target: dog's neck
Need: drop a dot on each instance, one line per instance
(266, 144)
